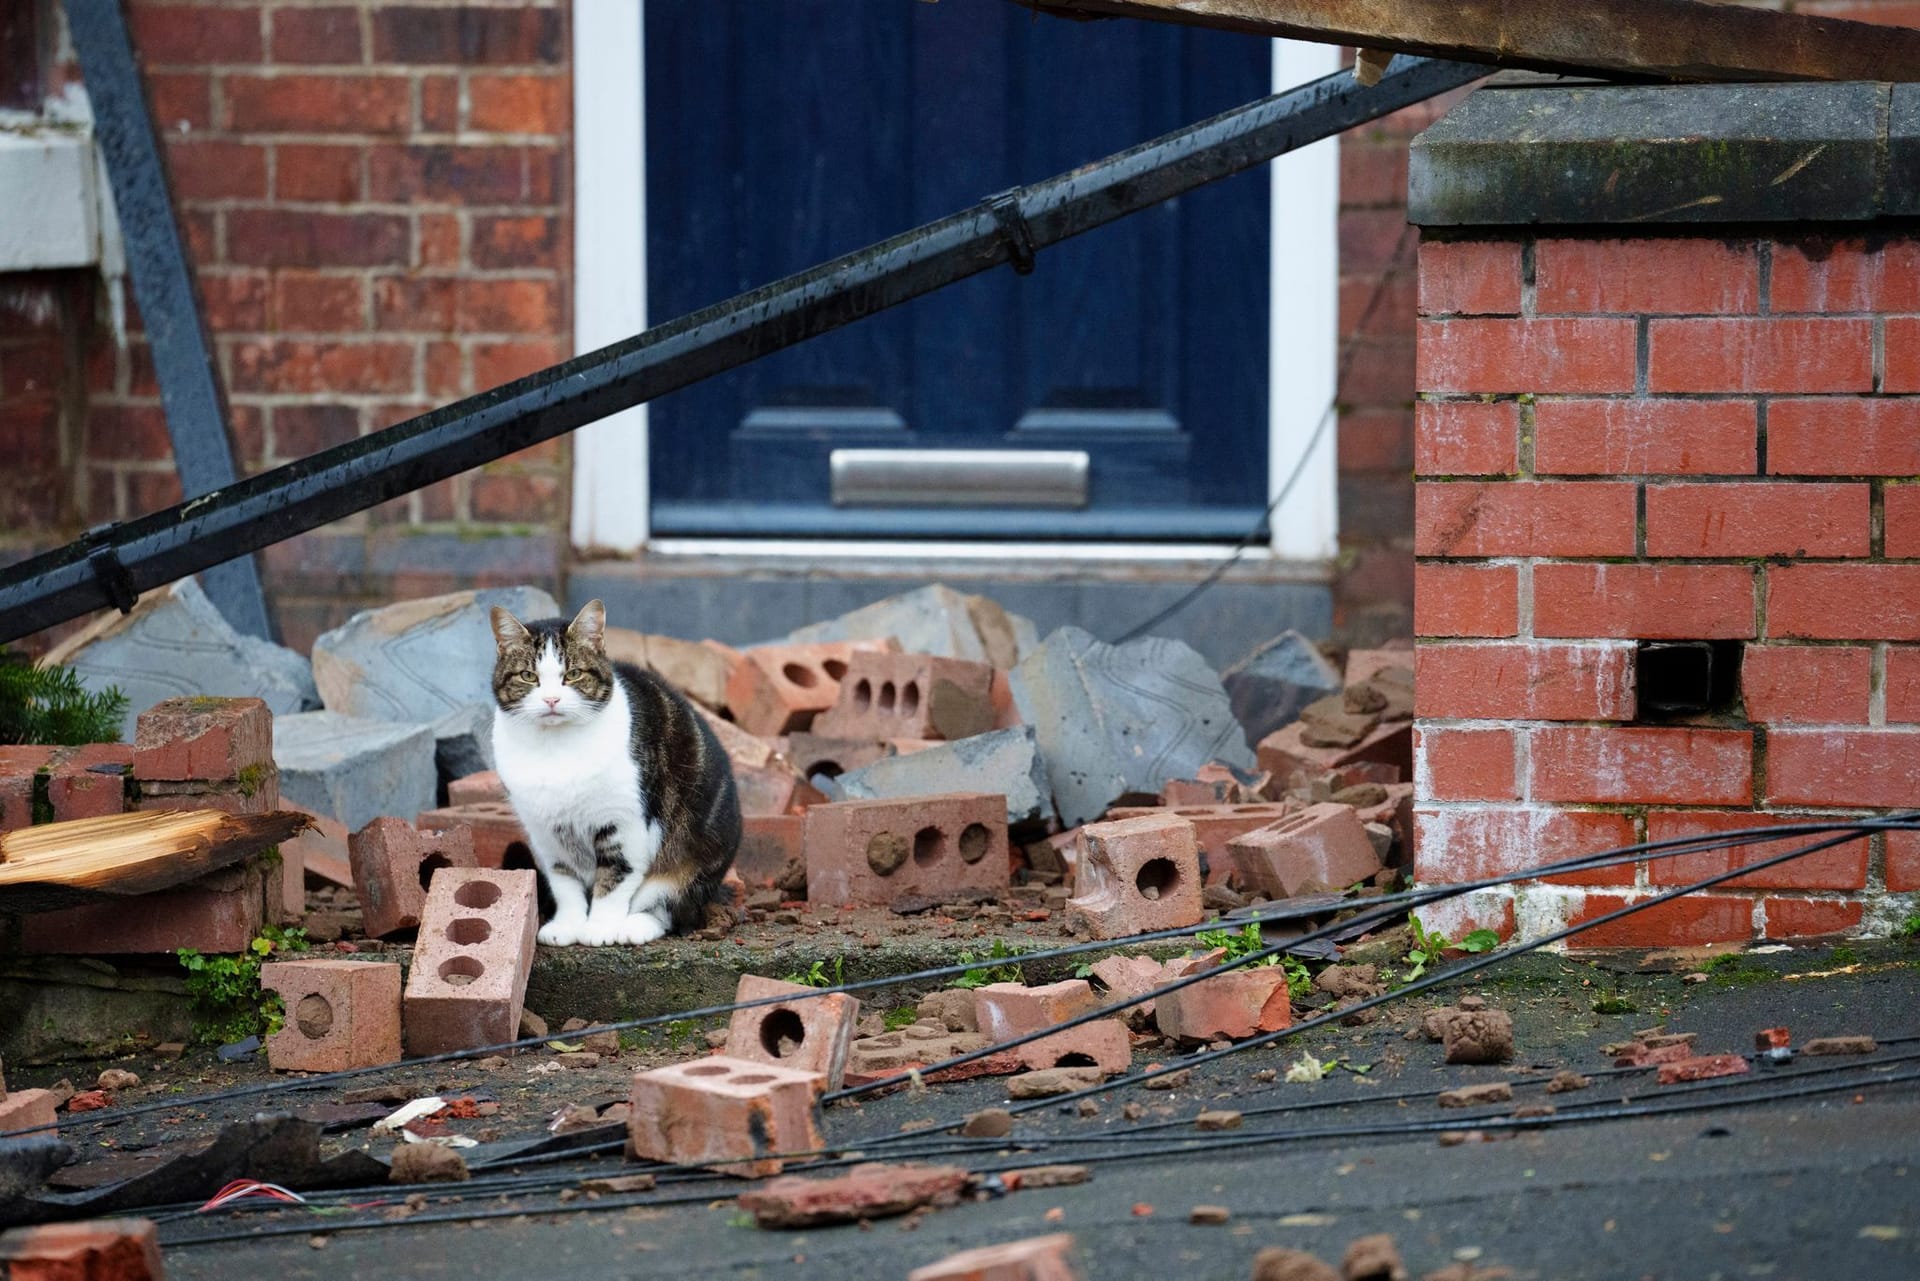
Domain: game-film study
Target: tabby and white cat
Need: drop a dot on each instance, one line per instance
(626, 796)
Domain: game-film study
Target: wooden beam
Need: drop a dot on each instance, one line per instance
(1639, 39)
(58, 865)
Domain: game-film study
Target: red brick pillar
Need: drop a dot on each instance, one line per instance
(1674, 430)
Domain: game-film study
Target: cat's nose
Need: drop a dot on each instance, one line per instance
(553, 703)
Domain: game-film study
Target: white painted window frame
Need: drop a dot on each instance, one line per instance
(611, 498)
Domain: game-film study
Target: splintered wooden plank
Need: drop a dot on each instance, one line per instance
(60, 864)
(1645, 39)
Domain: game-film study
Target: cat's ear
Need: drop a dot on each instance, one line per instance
(590, 624)
(508, 630)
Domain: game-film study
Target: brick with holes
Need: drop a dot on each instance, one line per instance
(339, 1014)
(733, 1115)
(496, 830)
(911, 696)
(1213, 827)
(811, 1034)
(468, 983)
(1007, 1010)
(392, 864)
(1322, 846)
(924, 846)
(1136, 874)
(778, 689)
(91, 1250)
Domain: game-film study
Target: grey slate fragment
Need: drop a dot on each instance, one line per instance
(934, 619)
(1005, 761)
(1114, 720)
(175, 644)
(354, 770)
(1719, 153)
(1903, 152)
(1268, 687)
(418, 660)
(463, 743)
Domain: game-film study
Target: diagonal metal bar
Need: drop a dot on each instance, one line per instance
(190, 390)
(337, 482)
(1641, 39)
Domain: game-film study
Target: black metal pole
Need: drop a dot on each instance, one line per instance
(163, 282)
(1008, 228)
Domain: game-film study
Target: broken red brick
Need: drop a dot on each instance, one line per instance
(393, 862)
(206, 740)
(1007, 1010)
(732, 1115)
(886, 696)
(765, 779)
(18, 765)
(1478, 1036)
(1373, 1258)
(1231, 1005)
(778, 689)
(89, 1101)
(1137, 875)
(93, 1250)
(88, 782)
(1772, 1038)
(338, 1014)
(1840, 1045)
(1467, 1096)
(813, 1034)
(26, 1109)
(881, 851)
(476, 789)
(1216, 784)
(1048, 1258)
(496, 830)
(1276, 1263)
(468, 982)
(1322, 847)
(1703, 1067)
(1285, 752)
(871, 1191)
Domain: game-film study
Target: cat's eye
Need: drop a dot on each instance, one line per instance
(574, 678)
(527, 678)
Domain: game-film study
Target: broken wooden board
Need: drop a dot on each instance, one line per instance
(57, 865)
(1683, 40)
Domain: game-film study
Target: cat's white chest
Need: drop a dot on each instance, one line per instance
(572, 776)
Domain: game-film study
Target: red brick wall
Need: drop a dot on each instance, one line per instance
(378, 199)
(1690, 437)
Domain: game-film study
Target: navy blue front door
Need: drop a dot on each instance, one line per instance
(781, 134)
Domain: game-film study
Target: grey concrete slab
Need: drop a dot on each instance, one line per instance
(420, 659)
(355, 770)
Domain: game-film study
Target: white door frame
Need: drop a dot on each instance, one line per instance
(610, 479)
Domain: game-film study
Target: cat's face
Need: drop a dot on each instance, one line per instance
(552, 673)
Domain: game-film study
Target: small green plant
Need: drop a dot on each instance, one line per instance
(49, 705)
(1909, 928)
(1614, 1003)
(905, 1016)
(1844, 955)
(816, 974)
(228, 1004)
(1429, 945)
(983, 975)
(1237, 943)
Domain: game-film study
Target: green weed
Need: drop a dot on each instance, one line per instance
(228, 1004)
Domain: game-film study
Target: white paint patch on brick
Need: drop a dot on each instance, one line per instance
(1540, 910)
(1476, 910)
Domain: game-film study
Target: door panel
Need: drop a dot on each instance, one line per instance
(779, 135)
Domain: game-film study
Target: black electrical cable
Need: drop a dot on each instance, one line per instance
(1369, 909)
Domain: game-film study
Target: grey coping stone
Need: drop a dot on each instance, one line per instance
(1006, 761)
(354, 770)
(175, 644)
(418, 660)
(1721, 153)
(1268, 687)
(934, 619)
(1119, 720)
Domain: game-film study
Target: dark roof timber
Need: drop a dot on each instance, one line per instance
(1682, 40)
(1670, 154)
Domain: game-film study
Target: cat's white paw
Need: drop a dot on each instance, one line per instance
(562, 933)
(641, 927)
